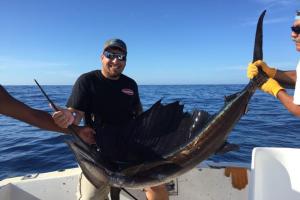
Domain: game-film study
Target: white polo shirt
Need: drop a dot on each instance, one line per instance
(297, 87)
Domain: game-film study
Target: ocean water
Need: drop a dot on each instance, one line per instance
(25, 149)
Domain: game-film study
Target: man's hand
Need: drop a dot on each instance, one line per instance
(271, 87)
(252, 69)
(86, 133)
(63, 118)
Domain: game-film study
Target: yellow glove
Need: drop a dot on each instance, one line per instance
(252, 70)
(271, 87)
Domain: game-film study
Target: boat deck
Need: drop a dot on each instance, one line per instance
(207, 182)
(275, 175)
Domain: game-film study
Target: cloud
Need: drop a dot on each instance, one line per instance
(277, 20)
(233, 68)
(283, 65)
(276, 11)
(21, 71)
(276, 3)
(253, 22)
(10, 63)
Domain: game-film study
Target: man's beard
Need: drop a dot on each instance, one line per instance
(114, 74)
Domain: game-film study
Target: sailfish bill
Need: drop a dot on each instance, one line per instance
(164, 141)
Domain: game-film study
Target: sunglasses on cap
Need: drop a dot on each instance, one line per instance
(109, 55)
(296, 29)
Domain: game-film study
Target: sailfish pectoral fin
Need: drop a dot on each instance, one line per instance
(226, 147)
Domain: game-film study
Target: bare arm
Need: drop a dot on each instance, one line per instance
(287, 101)
(286, 77)
(12, 107)
(289, 78)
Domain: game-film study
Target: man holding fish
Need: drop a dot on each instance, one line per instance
(107, 100)
(278, 78)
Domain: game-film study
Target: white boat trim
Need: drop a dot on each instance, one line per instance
(62, 185)
(275, 173)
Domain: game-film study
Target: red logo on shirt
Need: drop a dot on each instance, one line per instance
(128, 91)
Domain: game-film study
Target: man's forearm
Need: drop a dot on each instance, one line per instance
(44, 120)
(287, 101)
(13, 108)
(286, 77)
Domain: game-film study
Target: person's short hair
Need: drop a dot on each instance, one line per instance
(115, 43)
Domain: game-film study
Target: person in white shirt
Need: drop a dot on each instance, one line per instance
(276, 76)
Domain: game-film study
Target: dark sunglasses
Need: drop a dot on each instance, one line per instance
(109, 55)
(296, 29)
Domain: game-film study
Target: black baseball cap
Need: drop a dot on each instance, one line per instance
(115, 43)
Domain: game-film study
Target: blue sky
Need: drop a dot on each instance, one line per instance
(169, 42)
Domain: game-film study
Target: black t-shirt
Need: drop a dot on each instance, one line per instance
(110, 105)
(109, 101)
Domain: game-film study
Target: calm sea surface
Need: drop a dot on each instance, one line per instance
(25, 149)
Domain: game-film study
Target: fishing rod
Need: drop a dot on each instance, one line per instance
(71, 127)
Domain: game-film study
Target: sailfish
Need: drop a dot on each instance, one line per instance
(164, 141)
